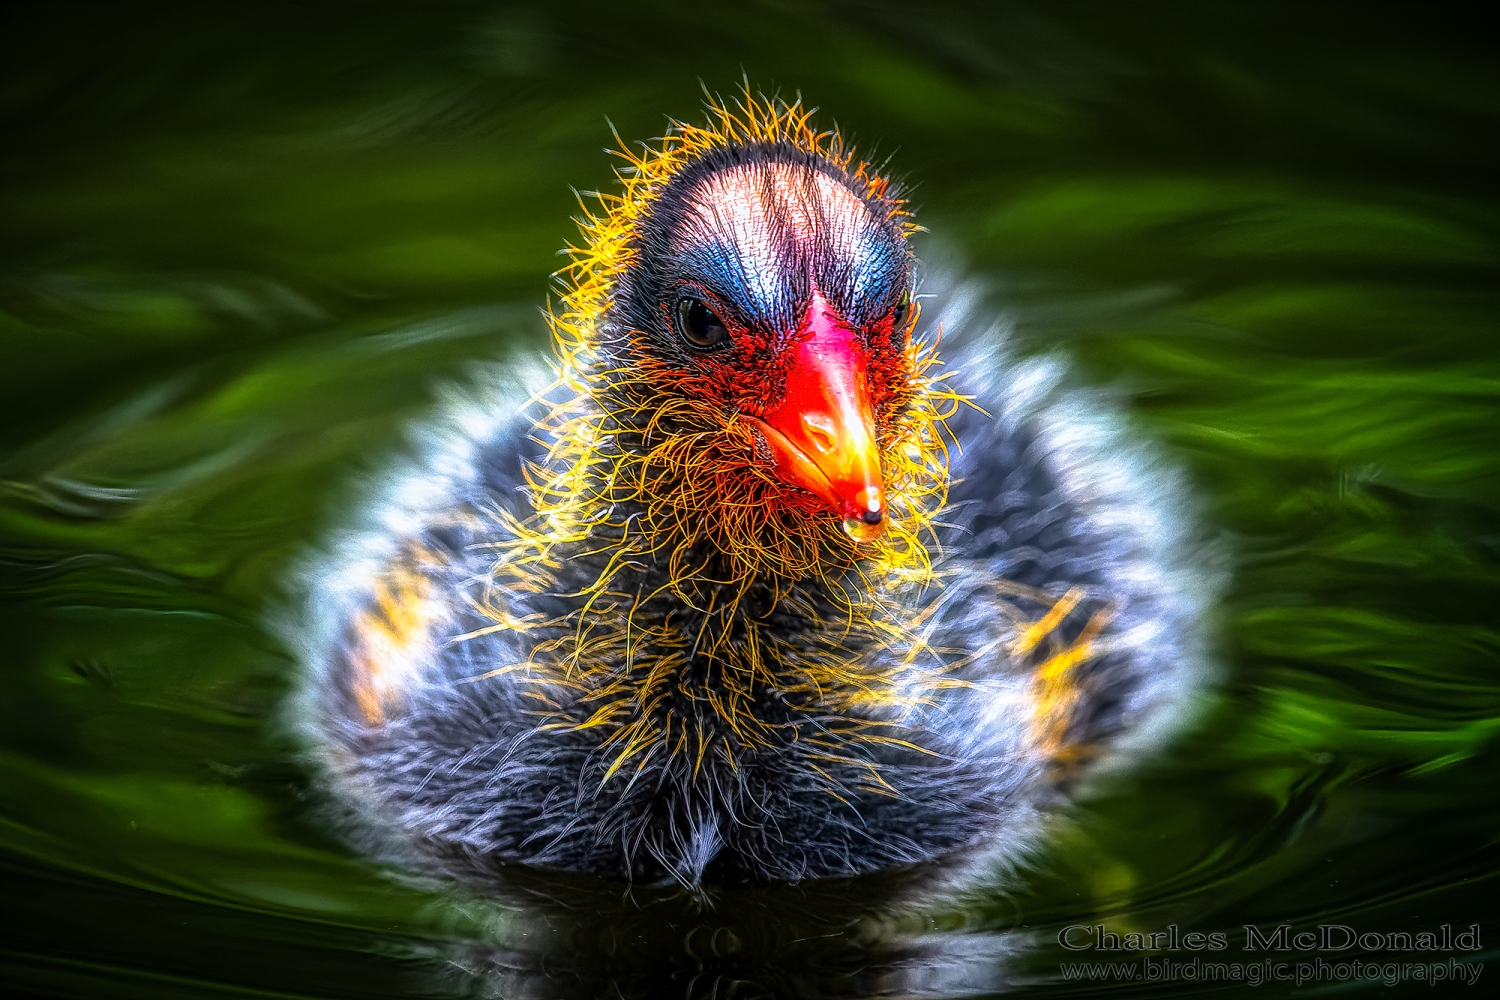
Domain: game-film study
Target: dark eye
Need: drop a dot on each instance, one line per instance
(900, 314)
(699, 326)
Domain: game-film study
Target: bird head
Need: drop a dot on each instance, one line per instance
(741, 319)
(773, 287)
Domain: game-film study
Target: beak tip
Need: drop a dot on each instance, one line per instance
(862, 529)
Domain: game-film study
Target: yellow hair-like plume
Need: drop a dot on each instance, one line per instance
(710, 515)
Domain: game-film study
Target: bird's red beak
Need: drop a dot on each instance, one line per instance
(822, 436)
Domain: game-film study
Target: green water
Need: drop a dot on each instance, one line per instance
(242, 246)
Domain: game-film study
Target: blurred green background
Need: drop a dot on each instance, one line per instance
(242, 246)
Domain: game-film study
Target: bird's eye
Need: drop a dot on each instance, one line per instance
(699, 326)
(900, 314)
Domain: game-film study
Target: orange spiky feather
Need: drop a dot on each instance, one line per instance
(702, 502)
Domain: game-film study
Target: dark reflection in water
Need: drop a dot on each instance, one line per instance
(243, 244)
(576, 937)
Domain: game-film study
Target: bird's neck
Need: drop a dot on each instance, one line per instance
(675, 582)
(688, 593)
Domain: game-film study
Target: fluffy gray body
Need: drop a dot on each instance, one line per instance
(1051, 492)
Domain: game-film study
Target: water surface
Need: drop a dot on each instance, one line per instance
(244, 246)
